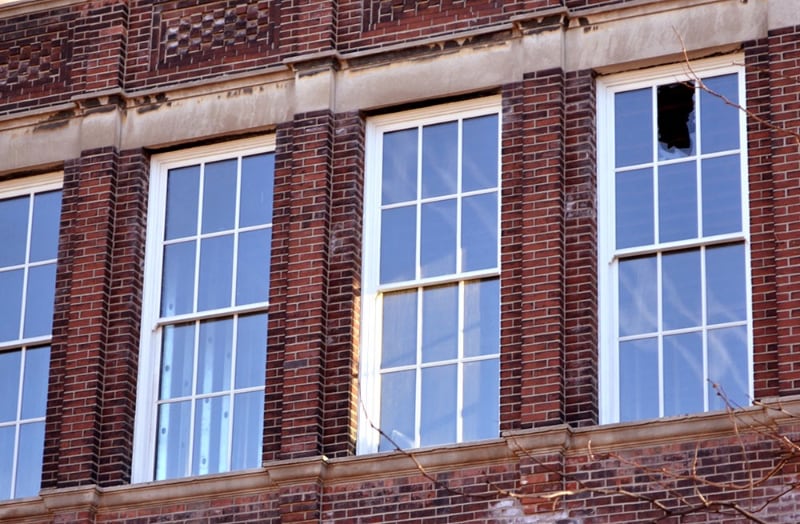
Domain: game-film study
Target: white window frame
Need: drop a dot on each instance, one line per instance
(609, 256)
(26, 186)
(368, 438)
(146, 417)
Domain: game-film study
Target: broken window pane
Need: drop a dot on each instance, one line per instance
(676, 128)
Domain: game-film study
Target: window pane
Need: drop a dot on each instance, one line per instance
(29, 463)
(481, 317)
(219, 196)
(728, 367)
(177, 290)
(638, 298)
(6, 460)
(13, 230)
(399, 182)
(10, 303)
(39, 305)
(398, 241)
(677, 202)
(683, 374)
(681, 289)
(399, 338)
(251, 350)
(638, 379)
(438, 417)
(248, 409)
(725, 284)
(722, 196)
(252, 278)
(183, 189)
(439, 159)
(177, 361)
(216, 273)
(258, 173)
(211, 430)
(398, 391)
(479, 232)
(439, 323)
(633, 127)
(44, 234)
(10, 362)
(172, 446)
(438, 242)
(481, 391)
(720, 120)
(34, 383)
(479, 157)
(214, 355)
(634, 213)
(676, 121)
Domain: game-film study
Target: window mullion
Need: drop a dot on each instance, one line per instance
(704, 322)
(418, 373)
(193, 396)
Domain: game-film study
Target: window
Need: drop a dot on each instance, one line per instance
(204, 321)
(430, 350)
(674, 256)
(30, 211)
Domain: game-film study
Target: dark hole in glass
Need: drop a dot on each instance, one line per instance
(675, 109)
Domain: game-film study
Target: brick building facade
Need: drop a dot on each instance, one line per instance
(523, 238)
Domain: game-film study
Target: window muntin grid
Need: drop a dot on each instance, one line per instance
(679, 269)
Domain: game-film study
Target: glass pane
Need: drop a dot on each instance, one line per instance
(481, 317)
(398, 394)
(479, 153)
(29, 463)
(677, 202)
(438, 416)
(634, 208)
(726, 292)
(252, 278)
(177, 289)
(183, 189)
(214, 355)
(438, 242)
(219, 196)
(251, 350)
(39, 305)
(722, 196)
(6, 460)
(720, 121)
(638, 379)
(439, 159)
(258, 174)
(10, 303)
(727, 367)
(13, 230)
(248, 409)
(683, 374)
(681, 289)
(479, 232)
(676, 121)
(481, 400)
(10, 362)
(216, 273)
(439, 323)
(172, 443)
(398, 241)
(46, 217)
(399, 182)
(211, 435)
(633, 127)
(399, 338)
(638, 296)
(177, 361)
(34, 382)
